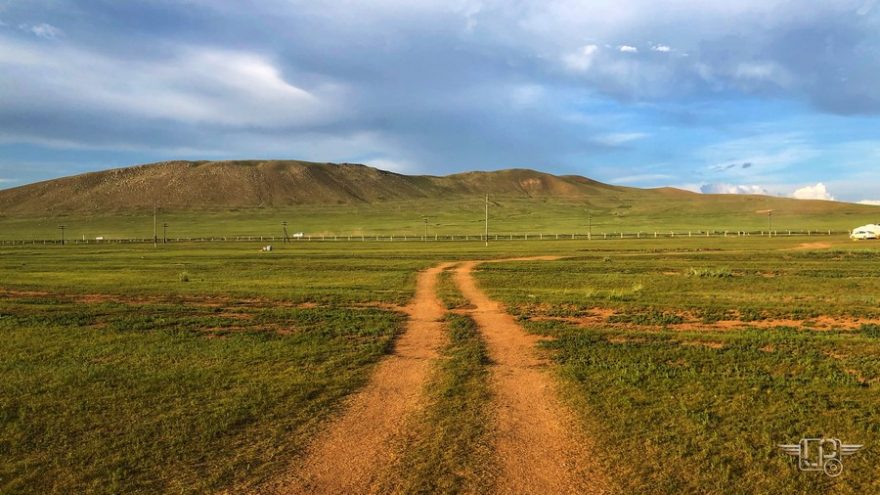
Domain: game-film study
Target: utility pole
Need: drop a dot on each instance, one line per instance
(165, 233)
(61, 228)
(589, 225)
(769, 223)
(284, 227)
(426, 229)
(487, 219)
(155, 226)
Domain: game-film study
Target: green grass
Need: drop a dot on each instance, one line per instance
(671, 413)
(237, 270)
(699, 411)
(448, 292)
(764, 284)
(168, 386)
(113, 398)
(630, 211)
(451, 449)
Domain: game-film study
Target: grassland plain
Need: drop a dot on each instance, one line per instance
(115, 368)
(460, 216)
(252, 198)
(687, 408)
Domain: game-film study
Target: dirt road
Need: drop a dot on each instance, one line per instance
(539, 445)
(351, 456)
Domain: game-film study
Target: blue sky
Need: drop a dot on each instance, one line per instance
(775, 97)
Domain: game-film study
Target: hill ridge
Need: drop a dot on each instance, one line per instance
(204, 184)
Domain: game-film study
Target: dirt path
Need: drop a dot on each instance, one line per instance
(539, 445)
(351, 455)
(806, 246)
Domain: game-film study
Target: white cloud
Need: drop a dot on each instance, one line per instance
(819, 191)
(526, 95)
(866, 7)
(581, 59)
(391, 165)
(192, 85)
(661, 48)
(618, 138)
(764, 154)
(872, 202)
(43, 30)
(640, 178)
(733, 189)
(628, 49)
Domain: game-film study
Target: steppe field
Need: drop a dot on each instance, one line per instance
(649, 366)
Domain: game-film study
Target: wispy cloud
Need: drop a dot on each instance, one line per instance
(581, 59)
(628, 49)
(641, 178)
(721, 188)
(619, 138)
(43, 30)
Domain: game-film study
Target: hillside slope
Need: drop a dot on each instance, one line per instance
(255, 197)
(183, 185)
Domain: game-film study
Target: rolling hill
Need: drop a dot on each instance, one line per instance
(253, 197)
(203, 185)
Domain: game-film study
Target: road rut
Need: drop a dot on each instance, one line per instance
(353, 454)
(539, 445)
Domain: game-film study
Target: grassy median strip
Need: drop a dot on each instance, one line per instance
(450, 450)
(448, 292)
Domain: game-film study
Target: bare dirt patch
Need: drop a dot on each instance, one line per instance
(806, 246)
(539, 444)
(352, 455)
(691, 323)
(201, 301)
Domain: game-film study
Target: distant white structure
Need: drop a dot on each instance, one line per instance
(99, 238)
(267, 249)
(298, 235)
(865, 232)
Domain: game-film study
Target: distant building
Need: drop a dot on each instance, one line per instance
(865, 232)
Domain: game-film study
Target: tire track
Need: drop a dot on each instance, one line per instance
(357, 449)
(539, 444)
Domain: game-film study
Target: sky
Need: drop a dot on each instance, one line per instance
(756, 97)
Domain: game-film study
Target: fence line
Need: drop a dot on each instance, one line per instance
(445, 237)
